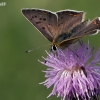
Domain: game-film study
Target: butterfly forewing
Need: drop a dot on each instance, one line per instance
(44, 21)
(67, 19)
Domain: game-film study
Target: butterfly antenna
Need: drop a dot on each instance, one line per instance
(74, 52)
(27, 51)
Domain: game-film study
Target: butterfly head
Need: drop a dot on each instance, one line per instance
(53, 48)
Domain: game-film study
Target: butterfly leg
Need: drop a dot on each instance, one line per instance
(80, 42)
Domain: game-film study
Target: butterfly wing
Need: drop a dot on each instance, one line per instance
(67, 43)
(86, 28)
(44, 21)
(76, 31)
(83, 29)
(67, 19)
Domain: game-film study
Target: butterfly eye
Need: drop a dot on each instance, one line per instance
(54, 48)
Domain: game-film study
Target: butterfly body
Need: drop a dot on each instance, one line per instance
(61, 37)
(61, 28)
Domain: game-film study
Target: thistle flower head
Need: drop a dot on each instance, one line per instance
(75, 74)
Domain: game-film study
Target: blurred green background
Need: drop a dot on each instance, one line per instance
(20, 72)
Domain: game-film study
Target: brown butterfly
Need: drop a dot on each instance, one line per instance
(62, 28)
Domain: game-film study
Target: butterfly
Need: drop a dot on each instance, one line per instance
(62, 28)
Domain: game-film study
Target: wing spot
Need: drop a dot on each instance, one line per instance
(38, 22)
(67, 13)
(44, 13)
(43, 28)
(35, 16)
(96, 23)
(39, 12)
(44, 19)
(75, 15)
(40, 18)
(71, 14)
(32, 16)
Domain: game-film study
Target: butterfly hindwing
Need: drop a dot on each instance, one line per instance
(86, 28)
(92, 26)
(83, 29)
(44, 21)
(76, 31)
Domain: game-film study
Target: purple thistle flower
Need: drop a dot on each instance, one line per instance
(75, 74)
